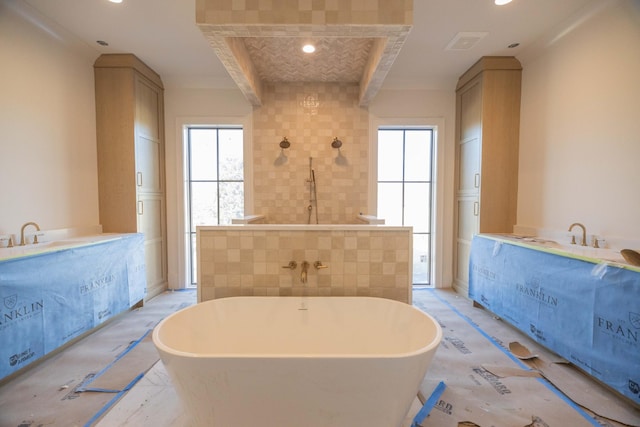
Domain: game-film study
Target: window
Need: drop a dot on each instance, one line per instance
(214, 180)
(405, 181)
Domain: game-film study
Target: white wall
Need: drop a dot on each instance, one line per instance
(580, 128)
(192, 106)
(48, 170)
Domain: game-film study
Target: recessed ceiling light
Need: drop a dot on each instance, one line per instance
(102, 43)
(502, 2)
(512, 45)
(308, 48)
(115, 1)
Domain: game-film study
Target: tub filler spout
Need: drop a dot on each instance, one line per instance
(303, 273)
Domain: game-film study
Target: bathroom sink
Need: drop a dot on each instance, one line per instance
(54, 245)
(586, 253)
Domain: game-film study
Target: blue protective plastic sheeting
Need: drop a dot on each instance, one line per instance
(48, 299)
(587, 313)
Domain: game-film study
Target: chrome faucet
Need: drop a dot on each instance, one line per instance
(35, 237)
(584, 234)
(303, 273)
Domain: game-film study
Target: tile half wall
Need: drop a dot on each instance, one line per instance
(248, 260)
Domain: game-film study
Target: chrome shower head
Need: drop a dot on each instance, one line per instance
(336, 143)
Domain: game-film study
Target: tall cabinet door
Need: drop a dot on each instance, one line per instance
(148, 142)
(149, 151)
(468, 153)
(151, 222)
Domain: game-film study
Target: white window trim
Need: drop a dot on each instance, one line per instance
(181, 126)
(438, 226)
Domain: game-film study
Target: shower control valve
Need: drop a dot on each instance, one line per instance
(292, 265)
(318, 265)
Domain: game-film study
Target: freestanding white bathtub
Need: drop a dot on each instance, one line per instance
(342, 361)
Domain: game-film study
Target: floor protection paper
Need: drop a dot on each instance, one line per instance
(486, 385)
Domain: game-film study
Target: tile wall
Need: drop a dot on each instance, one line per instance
(362, 261)
(316, 12)
(310, 116)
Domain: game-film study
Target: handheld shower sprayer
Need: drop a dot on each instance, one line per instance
(313, 196)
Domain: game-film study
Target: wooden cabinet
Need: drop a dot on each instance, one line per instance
(130, 136)
(487, 133)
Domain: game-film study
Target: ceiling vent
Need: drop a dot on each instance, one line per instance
(465, 41)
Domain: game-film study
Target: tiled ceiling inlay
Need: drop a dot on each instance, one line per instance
(259, 41)
(336, 59)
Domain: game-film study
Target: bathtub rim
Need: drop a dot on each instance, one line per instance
(431, 346)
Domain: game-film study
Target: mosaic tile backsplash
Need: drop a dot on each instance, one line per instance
(248, 261)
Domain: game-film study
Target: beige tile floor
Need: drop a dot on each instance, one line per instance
(47, 393)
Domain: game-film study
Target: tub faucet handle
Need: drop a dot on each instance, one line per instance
(291, 266)
(318, 265)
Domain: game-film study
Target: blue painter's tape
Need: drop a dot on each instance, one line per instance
(517, 361)
(106, 368)
(112, 402)
(428, 405)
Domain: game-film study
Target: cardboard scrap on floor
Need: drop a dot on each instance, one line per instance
(487, 386)
(585, 392)
(139, 357)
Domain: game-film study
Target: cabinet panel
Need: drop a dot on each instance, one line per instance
(151, 215)
(469, 170)
(470, 103)
(468, 218)
(156, 266)
(148, 165)
(462, 265)
(147, 107)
